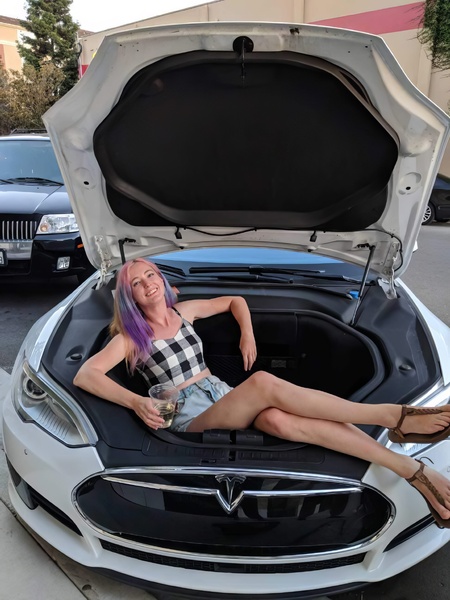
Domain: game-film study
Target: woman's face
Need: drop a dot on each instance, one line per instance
(147, 287)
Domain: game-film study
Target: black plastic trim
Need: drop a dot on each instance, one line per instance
(410, 532)
(219, 567)
(53, 511)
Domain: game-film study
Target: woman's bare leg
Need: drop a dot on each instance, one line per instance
(240, 407)
(345, 438)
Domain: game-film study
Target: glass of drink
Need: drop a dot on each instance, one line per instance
(164, 397)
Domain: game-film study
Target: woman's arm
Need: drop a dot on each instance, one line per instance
(92, 378)
(200, 309)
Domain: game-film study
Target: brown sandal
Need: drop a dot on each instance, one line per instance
(396, 435)
(419, 475)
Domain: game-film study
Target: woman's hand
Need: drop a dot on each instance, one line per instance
(247, 346)
(144, 409)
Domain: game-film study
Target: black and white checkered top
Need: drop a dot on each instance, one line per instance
(177, 359)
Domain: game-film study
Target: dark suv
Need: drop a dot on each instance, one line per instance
(39, 235)
(438, 207)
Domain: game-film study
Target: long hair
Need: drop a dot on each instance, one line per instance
(129, 319)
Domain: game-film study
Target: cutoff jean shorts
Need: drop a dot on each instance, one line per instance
(196, 398)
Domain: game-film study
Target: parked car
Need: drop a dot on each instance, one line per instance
(39, 235)
(271, 161)
(438, 207)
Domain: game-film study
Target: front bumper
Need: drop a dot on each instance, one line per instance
(53, 471)
(38, 258)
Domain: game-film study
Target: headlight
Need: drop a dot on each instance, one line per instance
(41, 402)
(57, 224)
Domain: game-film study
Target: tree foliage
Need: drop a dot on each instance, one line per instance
(52, 39)
(24, 97)
(435, 32)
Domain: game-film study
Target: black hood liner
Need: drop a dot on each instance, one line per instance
(285, 141)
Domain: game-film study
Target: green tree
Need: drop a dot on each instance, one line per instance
(25, 96)
(5, 110)
(435, 32)
(52, 40)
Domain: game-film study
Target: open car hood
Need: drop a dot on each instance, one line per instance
(218, 134)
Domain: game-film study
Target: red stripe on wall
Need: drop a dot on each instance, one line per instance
(384, 20)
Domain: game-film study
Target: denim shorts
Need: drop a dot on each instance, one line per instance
(196, 398)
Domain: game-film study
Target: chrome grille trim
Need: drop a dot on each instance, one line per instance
(182, 470)
(18, 230)
(109, 474)
(195, 491)
(245, 568)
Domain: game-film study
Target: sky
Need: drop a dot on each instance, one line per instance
(97, 15)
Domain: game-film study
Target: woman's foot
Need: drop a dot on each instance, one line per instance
(435, 488)
(421, 425)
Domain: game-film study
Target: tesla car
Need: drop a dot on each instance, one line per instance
(438, 207)
(288, 164)
(39, 236)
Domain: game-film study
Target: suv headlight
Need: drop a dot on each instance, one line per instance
(57, 224)
(40, 401)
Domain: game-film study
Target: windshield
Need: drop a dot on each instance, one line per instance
(28, 161)
(256, 261)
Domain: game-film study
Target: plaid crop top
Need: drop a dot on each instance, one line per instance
(177, 359)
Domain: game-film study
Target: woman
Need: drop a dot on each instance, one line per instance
(151, 329)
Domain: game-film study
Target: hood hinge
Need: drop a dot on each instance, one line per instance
(387, 285)
(387, 281)
(105, 259)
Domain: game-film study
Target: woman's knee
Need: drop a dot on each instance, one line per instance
(266, 382)
(276, 422)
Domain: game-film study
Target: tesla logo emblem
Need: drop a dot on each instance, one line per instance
(228, 495)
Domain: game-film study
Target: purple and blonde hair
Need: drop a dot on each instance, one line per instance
(129, 319)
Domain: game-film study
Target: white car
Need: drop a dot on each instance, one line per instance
(286, 163)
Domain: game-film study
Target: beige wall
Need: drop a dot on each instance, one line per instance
(9, 35)
(407, 49)
(90, 43)
(236, 10)
(404, 44)
(318, 10)
(440, 94)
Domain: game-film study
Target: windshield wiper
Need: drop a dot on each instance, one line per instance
(257, 274)
(340, 278)
(255, 270)
(254, 277)
(6, 181)
(267, 271)
(34, 180)
(174, 271)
